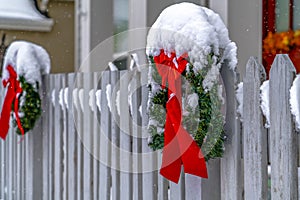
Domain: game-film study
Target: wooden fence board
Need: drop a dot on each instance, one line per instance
(177, 190)
(86, 137)
(45, 135)
(150, 185)
(79, 124)
(96, 140)
(115, 138)
(255, 135)
(58, 153)
(105, 151)
(51, 137)
(64, 137)
(135, 98)
(125, 140)
(72, 141)
(284, 154)
(2, 153)
(231, 176)
(163, 184)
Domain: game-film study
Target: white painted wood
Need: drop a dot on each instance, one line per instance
(231, 176)
(35, 137)
(64, 136)
(284, 154)
(163, 184)
(105, 148)
(196, 187)
(91, 17)
(221, 8)
(136, 136)
(245, 28)
(45, 136)
(255, 135)
(86, 138)
(193, 187)
(125, 140)
(58, 151)
(19, 166)
(51, 140)
(9, 140)
(150, 185)
(177, 191)
(96, 131)
(72, 142)
(115, 138)
(79, 126)
(2, 153)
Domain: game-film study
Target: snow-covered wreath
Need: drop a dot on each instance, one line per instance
(187, 46)
(24, 64)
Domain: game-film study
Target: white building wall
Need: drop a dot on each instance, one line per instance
(95, 23)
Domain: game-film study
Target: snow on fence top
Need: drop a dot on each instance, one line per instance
(294, 99)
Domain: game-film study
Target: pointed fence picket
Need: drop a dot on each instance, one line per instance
(255, 135)
(88, 146)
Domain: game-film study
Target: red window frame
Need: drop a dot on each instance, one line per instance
(269, 16)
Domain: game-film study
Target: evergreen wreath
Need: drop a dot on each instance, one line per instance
(204, 122)
(23, 67)
(32, 106)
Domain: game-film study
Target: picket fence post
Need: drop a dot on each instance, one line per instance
(284, 140)
(231, 176)
(255, 135)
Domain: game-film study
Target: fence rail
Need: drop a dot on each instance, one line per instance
(93, 131)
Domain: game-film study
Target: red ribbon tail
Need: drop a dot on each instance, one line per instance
(171, 171)
(192, 157)
(171, 161)
(5, 113)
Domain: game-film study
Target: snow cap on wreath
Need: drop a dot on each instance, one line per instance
(189, 28)
(28, 60)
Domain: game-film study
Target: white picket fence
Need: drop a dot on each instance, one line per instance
(79, 150)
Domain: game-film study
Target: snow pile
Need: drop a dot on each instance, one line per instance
(80, 97)
(112, 67)
(189, 28)
(92, 99)
(28, 59)
(240, 99)
(108, 96)
(66, 93)
(75, 98)
(98, 99)
(61, 99)
(135, 62)
(118, 102)
(53, 97)
(265, 102)
(294, 101)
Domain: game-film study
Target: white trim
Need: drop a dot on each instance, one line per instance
(26, 24)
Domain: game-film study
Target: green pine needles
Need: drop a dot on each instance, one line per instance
(32, 107)
(204, 123)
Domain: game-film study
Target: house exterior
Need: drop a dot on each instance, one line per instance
(79, 26)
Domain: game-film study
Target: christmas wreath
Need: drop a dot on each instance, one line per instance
(24, 64)
(186, 47)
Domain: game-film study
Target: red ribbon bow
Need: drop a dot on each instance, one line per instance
(179, 146)
(14, 89)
